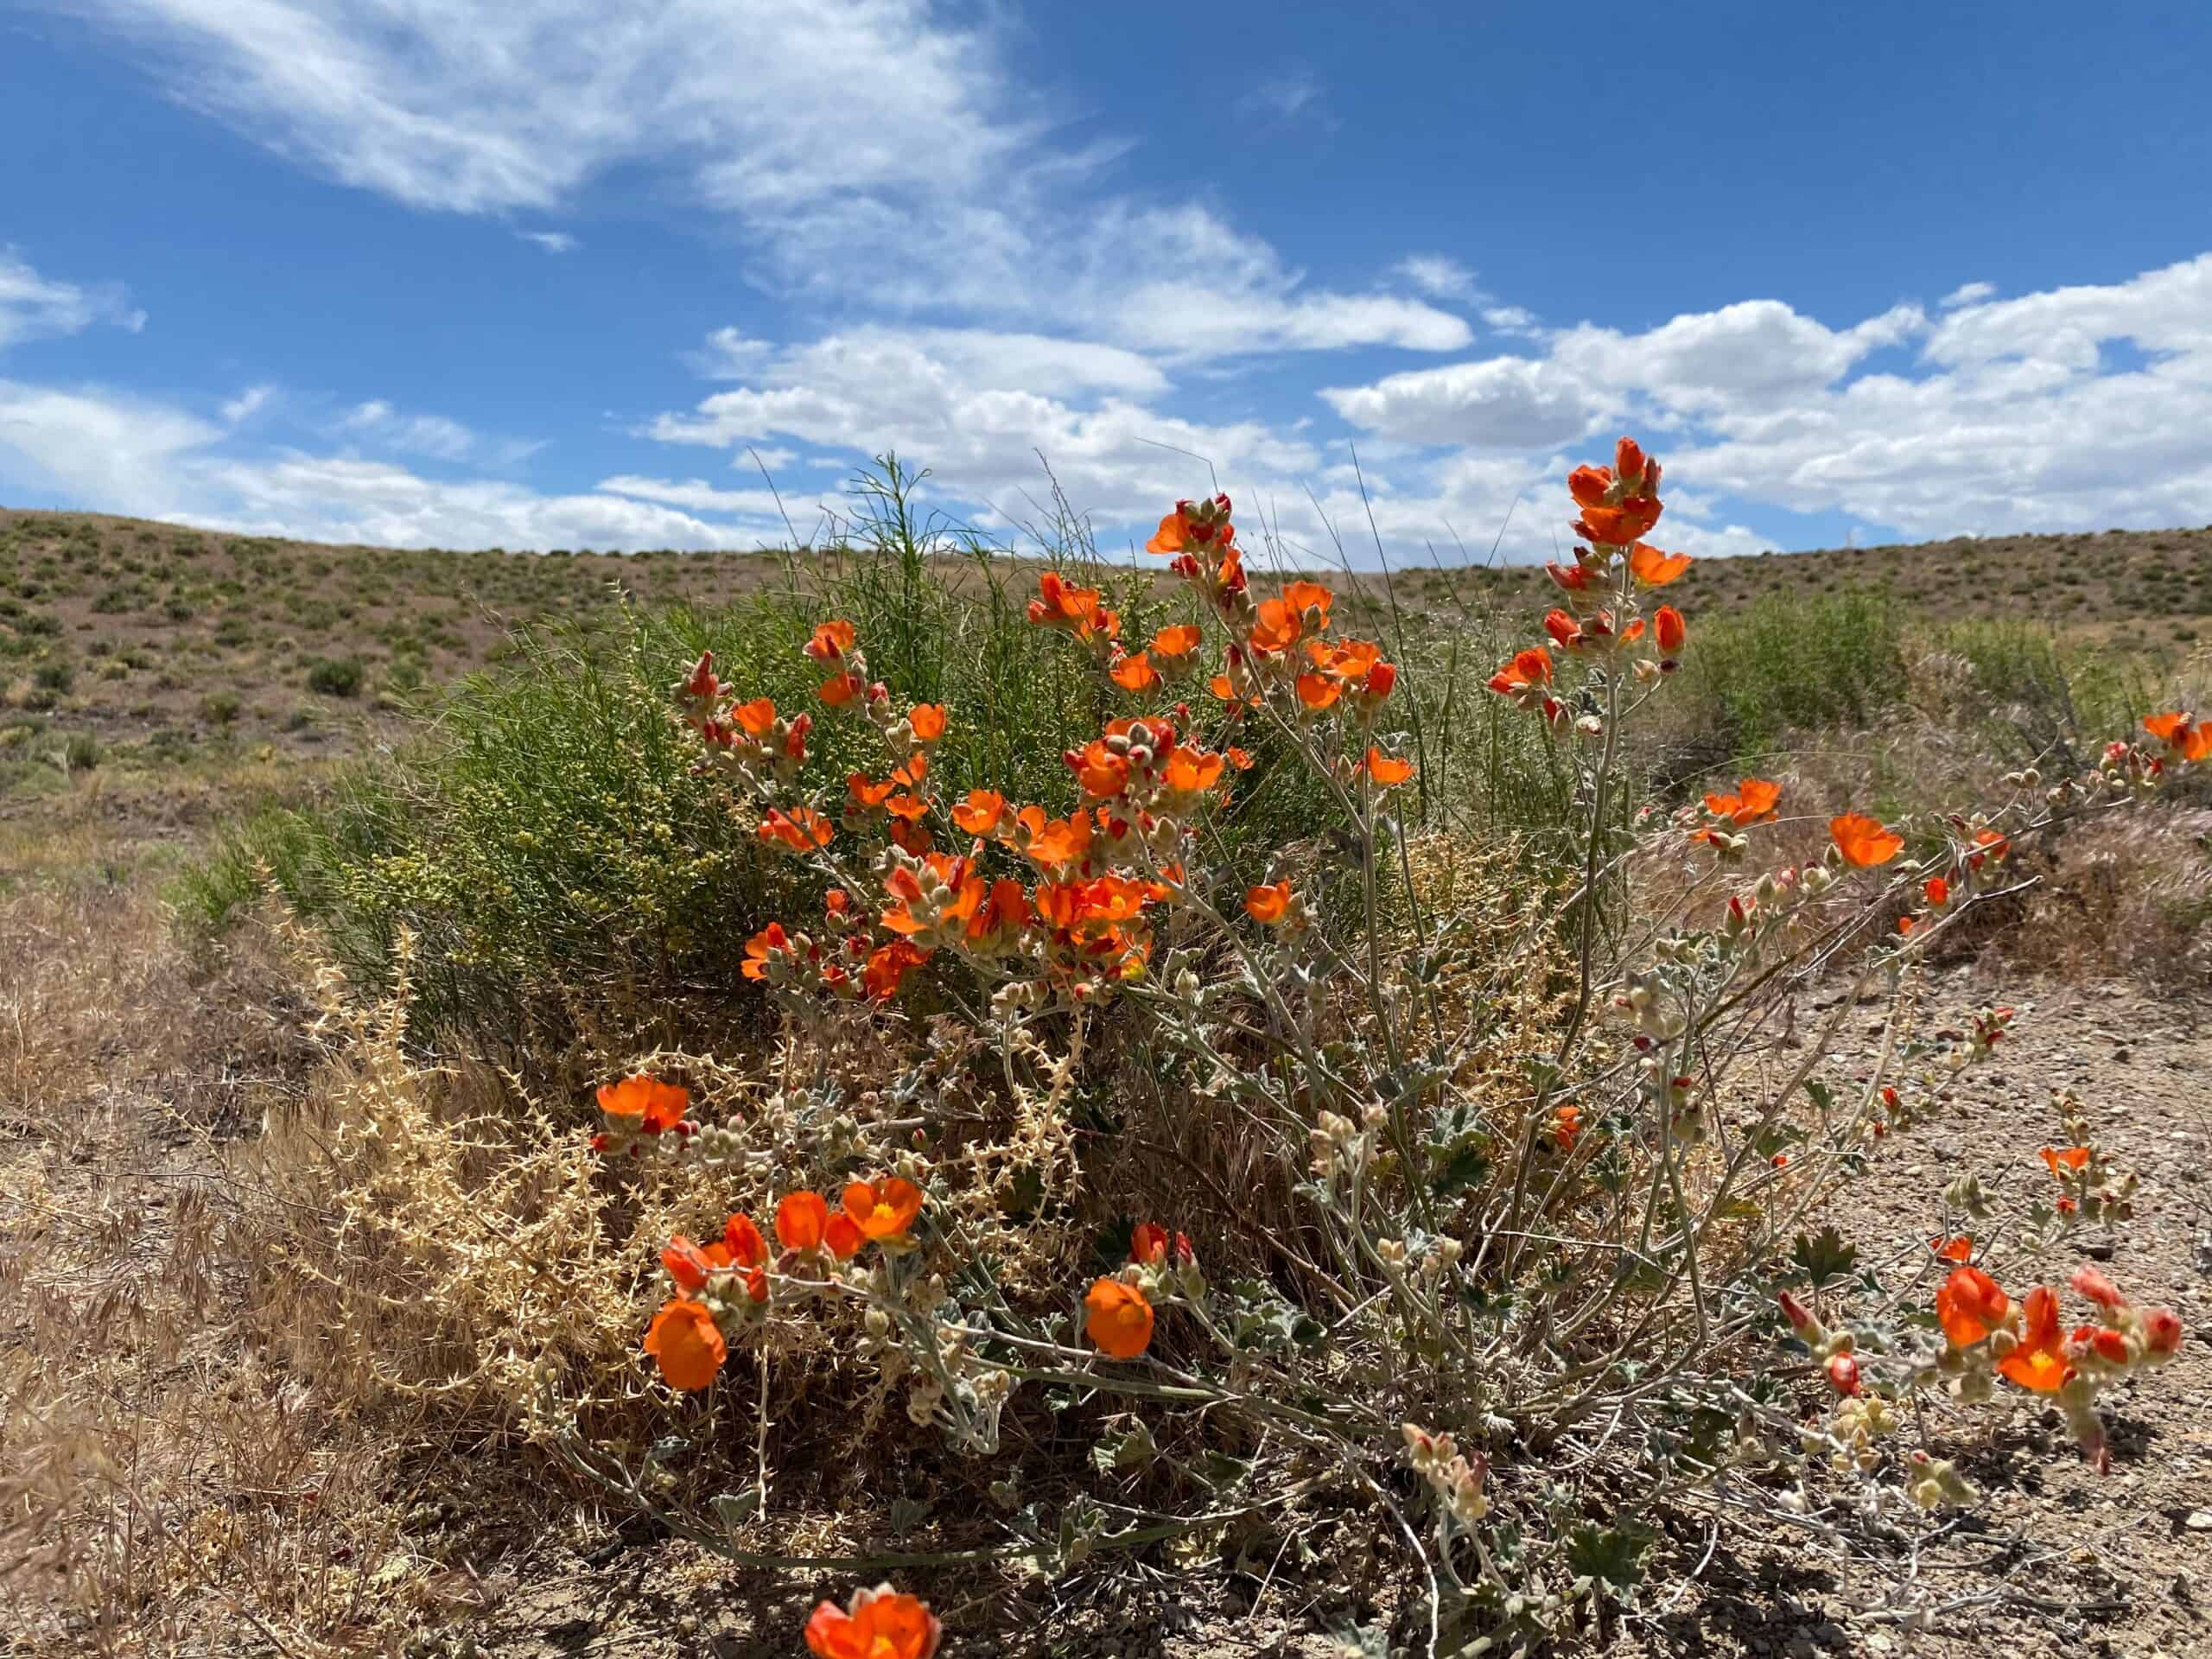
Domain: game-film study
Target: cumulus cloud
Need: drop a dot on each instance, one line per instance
(1515, 403)
(981, 410)
(551, 241)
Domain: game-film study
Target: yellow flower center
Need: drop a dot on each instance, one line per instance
(884, 1217)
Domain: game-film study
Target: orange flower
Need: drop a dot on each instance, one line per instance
(887, 966)
(1351, 659)
(865, 792)
(1003, 911)
(882, 1624)
(745, 1249)
(1169, 539)
(1954, 1249)
(1317, 691)
(1752, 802)
(839, 690)
(2182, 733)
(1988, 844)
(1386, 770)
(652, 1107)
(2074, 1158)
(1576, 578)
(1267, 903)
(688, 1265)
(1180, 640)
(743, 1241)
(771, 941)
(801, 1219)
(830, 642)
(1668, 628)
(883, 1210)
(928, 720)
(1304, 596)
(1654, 569)
(2039, 1362)
(802, 828)
(1863, 840)
(758, 717)
(1567, 1124)
(843, 1237)
(1148, 1243)
(1059, 605)
(1054, 844)
(979, 813)
(1969, 1306)
(1276, 628)
(1528, 668)
(1101, 770)
(1134, 673)
(1190, 771)
(1617, 526)
(683, 1337)
(1119, 1319)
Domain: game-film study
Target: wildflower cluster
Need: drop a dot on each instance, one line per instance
(1477, 1256)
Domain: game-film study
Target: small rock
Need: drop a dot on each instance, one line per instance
(2199, 1521)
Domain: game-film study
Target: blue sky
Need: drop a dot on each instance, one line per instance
(551, 275)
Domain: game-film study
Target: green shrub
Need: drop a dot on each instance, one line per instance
(82, 752)
(548, 847)
(220, 708)
(1783, 664)
(335, 677)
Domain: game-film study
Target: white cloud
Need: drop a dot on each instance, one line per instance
(551, 241)
(1757, 353)
(980, 410)
(701, 497)
(1967, 294)
(2076, 408)
(1510, 319)
(247, 404)
(852, 126)
(344, 500)
(115, 450)
(1515, 403)
(433, 436)
(33, 307)
(1283, 95)
(1439, 276)
(124, 454)
(478, 109)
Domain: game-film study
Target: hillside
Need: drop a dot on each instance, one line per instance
(122, 637)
